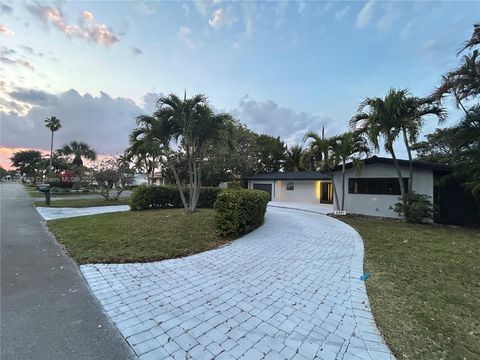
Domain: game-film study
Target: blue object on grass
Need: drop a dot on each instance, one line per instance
(365, 276)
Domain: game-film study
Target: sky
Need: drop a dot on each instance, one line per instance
(281, 68)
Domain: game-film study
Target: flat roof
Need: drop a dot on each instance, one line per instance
(289, 175)
(403, 163)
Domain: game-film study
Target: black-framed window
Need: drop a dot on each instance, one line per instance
(375, 186)
(290, 186)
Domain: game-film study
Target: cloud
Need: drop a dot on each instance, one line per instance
(5, 30)
(146, 7)
(366, 15)
(342, 12)
(184, 34)
(302, 5)
(249, 9)
(6, 51)
(221, 18)
(33, 97)
(6, 9)
(29, 50)
(24, 63)
(136, 51)
(268, 117)
(101, 121)
(86, 28)
(87, 16)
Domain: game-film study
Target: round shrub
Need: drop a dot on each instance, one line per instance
(240, 211)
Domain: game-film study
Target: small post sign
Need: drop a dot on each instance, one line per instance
(339, 212)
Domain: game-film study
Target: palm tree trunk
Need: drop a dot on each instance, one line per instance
(399, 172)
(343, 185)
(410, 160)
(51, 154)
(179, 184)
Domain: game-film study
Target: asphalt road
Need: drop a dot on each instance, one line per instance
(47, 310)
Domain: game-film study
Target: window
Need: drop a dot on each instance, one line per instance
(377, 186)
(290, 186)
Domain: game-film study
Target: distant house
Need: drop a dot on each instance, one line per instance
(372, 191)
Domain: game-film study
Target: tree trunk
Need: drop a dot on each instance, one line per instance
(399, 172)
(410, 160)
(343, 185)
(51, 154)
(179, 185)
(153, 170)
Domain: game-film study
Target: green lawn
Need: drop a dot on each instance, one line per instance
(78, 203)
(137, 236)
(425, 287)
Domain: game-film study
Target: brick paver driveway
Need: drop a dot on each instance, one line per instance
(289, 290)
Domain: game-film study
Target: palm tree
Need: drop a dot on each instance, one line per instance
(320, 150)
(349, 146)
(79, 150)
(462, 83)
(53, 124)
(474, 40)
(294, 158)
(381, 121)
(411, 120)
(192, 125)
(143, 145)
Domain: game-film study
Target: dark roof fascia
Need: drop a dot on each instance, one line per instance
(404, 163)
(300, 175)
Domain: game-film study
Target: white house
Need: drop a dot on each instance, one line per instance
(375, 189)
(309, 187)
(371, 191)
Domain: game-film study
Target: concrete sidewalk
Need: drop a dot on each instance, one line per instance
(47, 310)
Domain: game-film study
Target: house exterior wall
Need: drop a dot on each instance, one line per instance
(379, 205)
(305, 191)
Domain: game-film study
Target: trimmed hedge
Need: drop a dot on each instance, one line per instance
(240, 211)
(167, 197)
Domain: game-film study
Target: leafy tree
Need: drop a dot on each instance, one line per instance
(111, 179)
(26, 161)
(53, 124)
(438, 147)
(294, 159)
(270, 153)
(350, 146)
(78, 150)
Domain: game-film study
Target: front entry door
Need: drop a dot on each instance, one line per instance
(326, 192)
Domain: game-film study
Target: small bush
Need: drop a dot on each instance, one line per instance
(234, 184)
(240, 211)
(168, 197)
(416, 208)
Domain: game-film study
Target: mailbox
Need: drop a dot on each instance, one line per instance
(45, 188)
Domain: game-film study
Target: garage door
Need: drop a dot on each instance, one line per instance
(264, 187)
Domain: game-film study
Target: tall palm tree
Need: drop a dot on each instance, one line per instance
(349, 146)
(320, 150)
(192, 125)
(294, 158)
(53, 124)
(411, 120)
(78, 150)
(381, 121)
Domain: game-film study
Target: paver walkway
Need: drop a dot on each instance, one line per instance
(288, 290)
(47, 309)
(50, 213)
